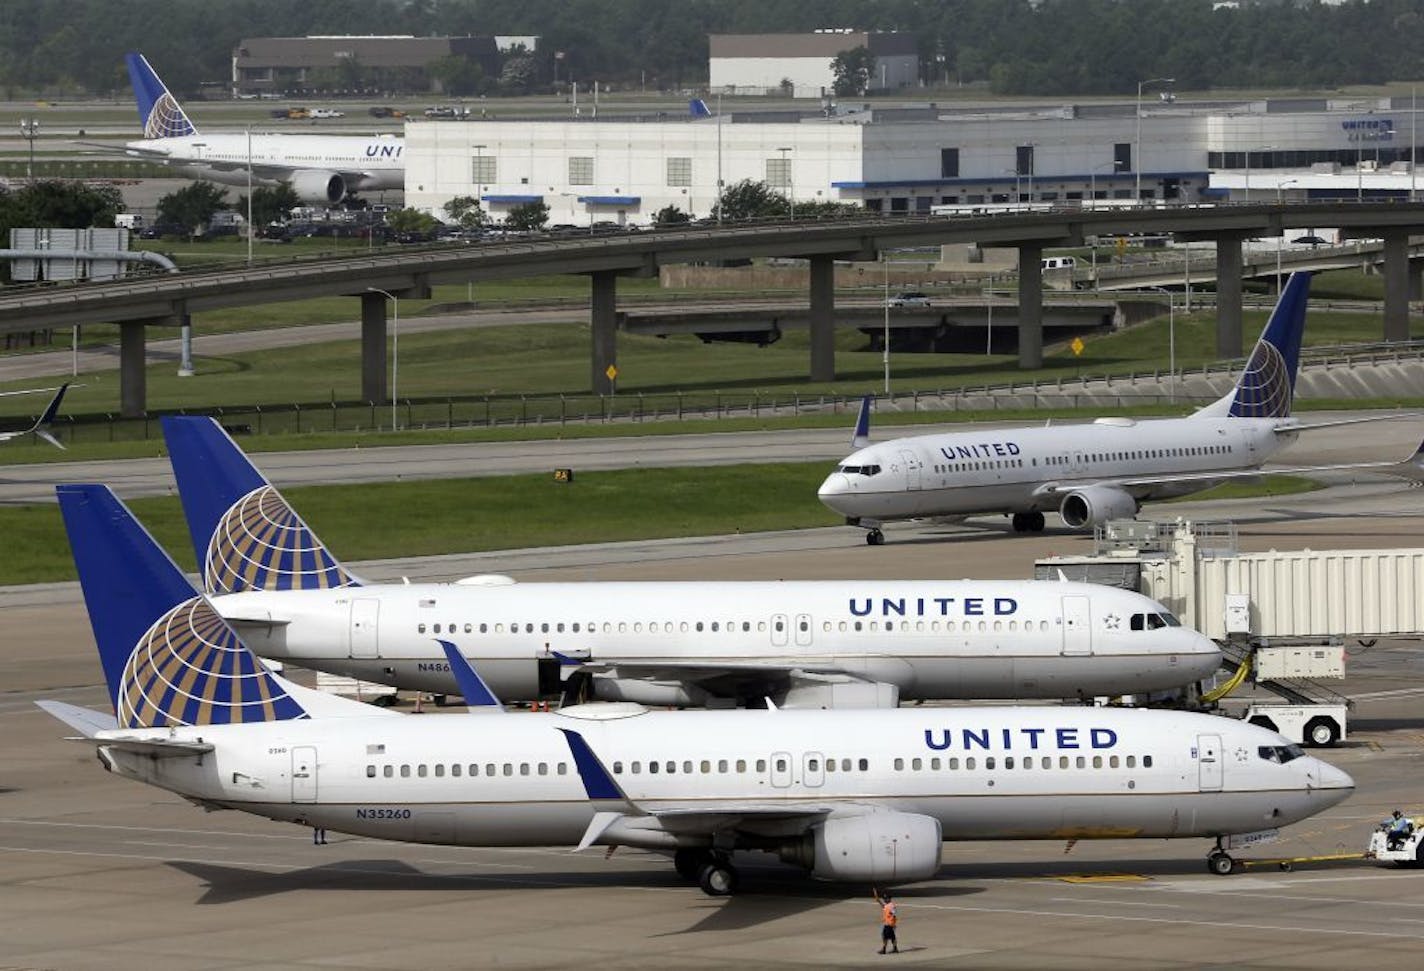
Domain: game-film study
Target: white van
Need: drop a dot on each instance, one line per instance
(128, 220)
(1059, 263)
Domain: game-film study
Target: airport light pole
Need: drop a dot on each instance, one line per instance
(786, 174)
(1280, 240)
(395, 349)
(1137, 138)
(29, 131)
(885, 356)
(1115, 164)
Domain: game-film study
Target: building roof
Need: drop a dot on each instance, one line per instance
(370, 51)
(819, 44)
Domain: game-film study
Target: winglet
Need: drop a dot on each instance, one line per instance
(245, 533)
(861, 437)
(478, 695)
(597, 781)
(42, 426)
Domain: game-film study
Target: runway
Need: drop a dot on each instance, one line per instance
(98, 872)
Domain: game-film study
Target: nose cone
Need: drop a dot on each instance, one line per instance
(835, 488)
(1199, 653)
(1332, 784)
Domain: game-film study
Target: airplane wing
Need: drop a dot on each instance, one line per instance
(1409, 468)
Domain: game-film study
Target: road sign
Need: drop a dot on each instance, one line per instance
(612, 371)
(1077, 346)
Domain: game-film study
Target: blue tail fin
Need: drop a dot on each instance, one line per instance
(861, 436)
(1266, 387)
(697, 108)
(161, 114)
(169, 658)
(246, 536)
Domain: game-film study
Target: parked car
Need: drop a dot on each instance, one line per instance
(910, 298)
(326, 113)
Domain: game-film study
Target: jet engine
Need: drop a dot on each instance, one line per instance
(879, 847)
(315, 187)
(1096, 504)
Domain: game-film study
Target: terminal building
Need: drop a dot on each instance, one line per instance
(799, 65)
(399, 62)
(914, 159)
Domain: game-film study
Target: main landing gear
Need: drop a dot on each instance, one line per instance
(1220, 862)
(712, 871)
(1028, 522)
(875, 537)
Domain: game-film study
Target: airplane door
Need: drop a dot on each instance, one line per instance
(1209, 763)
(813, 769)
(781, 769)
(365, 612)
(803, 630)
(1080, 464)
(912, 469)
(303, 773)
(779, 634)
(1077, 632)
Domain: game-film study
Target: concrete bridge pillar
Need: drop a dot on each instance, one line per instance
(373, 346)
(1416, 285)
(1228, 295)
(1030, 306)
(133, 378)
(604, 316)
(1396, 286)
(823, 318)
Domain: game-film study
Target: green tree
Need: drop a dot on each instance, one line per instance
(670, 216)
(517, 75)
(457, 76)
(751, 199)
(411, 221)
(852, 71)
(466, 212)
(269, 205)
(527, 217)
(193, 205)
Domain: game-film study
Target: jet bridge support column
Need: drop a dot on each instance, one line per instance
(373, 346)
(133, 387)
(1396, 286)
(1030, 306)
(823, 318)
(604, 307)
(1228, 295)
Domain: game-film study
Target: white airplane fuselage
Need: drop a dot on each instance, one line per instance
(984, 773)
(370, 164)
(932, 639)
(1032, 469)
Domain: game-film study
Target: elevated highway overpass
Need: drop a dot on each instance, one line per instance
(135, 304)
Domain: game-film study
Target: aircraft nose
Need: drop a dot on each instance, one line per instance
(1333, 779)
(836, 484)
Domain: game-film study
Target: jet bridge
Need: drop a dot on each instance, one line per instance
(1281, 617)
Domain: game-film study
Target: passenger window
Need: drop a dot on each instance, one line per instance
(722, 765)
(455, 770)
(469, 628)
(370, 771)
(671, 768)
(746, 626)
(543, 768)
(916, 764)
(388, 771)
(989, 762)
(561, 628)
(864, 765)
(489, 768)
(899, 765)
(638, 627)
(954, 765)
(420, 628)
(934, 765)
(813, 765)
(687, 768)
(699, 627)
(563, 769)
(714, 627)
(741, 765)
(705, 766)
(1147, 761)
(484, 628)
(405, 772)
(1097, 761)
(509, 768)
(969, 764)
(761, 765)
(576, 627)
(474, 769)
(440, 771)
(781, 765)
(1112, 762)
(420, 770)
(1132, 761)
(1082, 762)
(637, 767)
(1008, 761)
(1047, 762)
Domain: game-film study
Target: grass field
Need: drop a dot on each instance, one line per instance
(506, 512)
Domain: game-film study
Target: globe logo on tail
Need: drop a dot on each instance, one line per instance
(190, 668)
(262, 544)
(1264, 390)
(167, 119)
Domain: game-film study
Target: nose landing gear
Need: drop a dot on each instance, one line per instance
(1028, 522)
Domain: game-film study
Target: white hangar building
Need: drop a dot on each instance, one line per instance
(888, 160)
(756, 64)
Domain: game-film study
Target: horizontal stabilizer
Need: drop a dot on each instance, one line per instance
(157, 748)
(85, 721)
(597, 826)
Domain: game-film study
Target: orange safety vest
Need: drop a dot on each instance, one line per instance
(888, 910)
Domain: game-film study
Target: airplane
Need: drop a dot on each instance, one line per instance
(803, 643)
(41, 427)
(850, 796)
(1089, 473)
(321, 169)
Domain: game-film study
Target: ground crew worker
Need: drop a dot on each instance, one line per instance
(1400, 828)
(888, 920)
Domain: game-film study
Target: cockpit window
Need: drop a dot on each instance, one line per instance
(1280, 753)
(860, 469)
(1170, 620)
(1153, 621)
